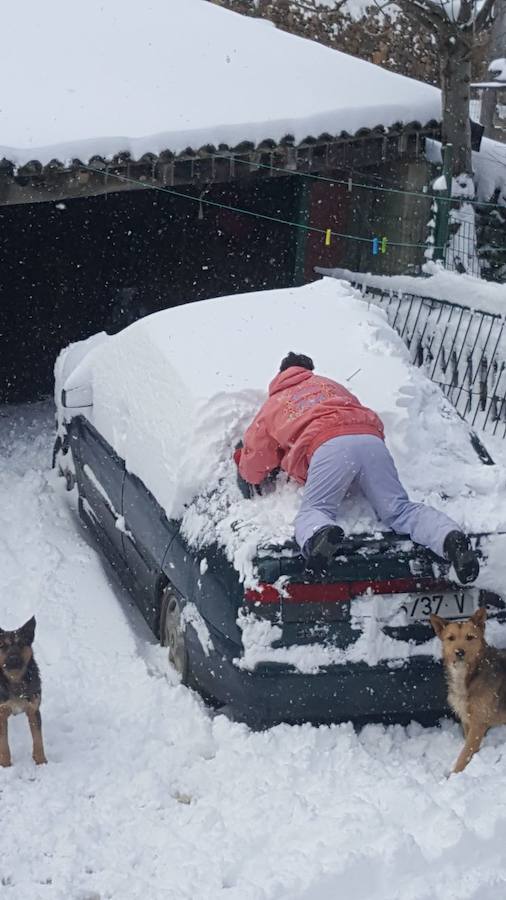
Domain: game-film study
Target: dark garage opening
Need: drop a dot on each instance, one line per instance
(73, 268)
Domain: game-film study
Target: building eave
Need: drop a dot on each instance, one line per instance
(198, 168)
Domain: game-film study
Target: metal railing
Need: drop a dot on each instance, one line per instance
(462, 350)
(477, 243)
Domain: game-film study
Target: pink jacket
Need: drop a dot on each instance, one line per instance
(303, 411)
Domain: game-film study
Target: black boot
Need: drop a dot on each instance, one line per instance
(322, 546)
(457, 549)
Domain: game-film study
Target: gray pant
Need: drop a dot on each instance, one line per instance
(362, 457)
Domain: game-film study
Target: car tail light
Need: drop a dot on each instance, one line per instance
(339, 592)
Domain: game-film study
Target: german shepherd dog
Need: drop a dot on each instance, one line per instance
(476, 677)
(20, 688)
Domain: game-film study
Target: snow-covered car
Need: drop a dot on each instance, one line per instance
(147, 423)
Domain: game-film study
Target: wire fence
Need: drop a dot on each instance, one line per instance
(477, 243)
(462, 350)
(491, 239)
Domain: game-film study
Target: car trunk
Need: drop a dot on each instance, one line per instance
(386, 577)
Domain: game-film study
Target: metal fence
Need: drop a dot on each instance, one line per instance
(462, 350)
(477, 242)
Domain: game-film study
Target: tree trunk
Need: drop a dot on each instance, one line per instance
(496, 50)
(455, 52)
(488, 106)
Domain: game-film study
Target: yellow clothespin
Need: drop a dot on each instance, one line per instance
(328, 235)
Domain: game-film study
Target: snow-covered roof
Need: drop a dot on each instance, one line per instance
(116, 77)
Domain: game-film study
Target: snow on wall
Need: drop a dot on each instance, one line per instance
(466, 290)
(183, 73)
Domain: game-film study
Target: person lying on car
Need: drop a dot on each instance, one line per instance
(321, 436)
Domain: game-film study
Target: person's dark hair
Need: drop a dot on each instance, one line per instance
(296, 359)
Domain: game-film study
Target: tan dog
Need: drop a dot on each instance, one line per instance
(20, 688)
(476, 677)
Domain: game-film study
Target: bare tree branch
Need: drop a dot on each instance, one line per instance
(422, 15)
(383, 6)
(443, 10)
(311, 8)
(484, 15)
(465, 16)
(431, 13)
(432, 7)
(429, 16)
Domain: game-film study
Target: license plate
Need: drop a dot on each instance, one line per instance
(450, 605)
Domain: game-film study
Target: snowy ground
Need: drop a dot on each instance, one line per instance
(146, 795)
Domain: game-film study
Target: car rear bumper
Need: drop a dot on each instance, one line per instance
(358, 692)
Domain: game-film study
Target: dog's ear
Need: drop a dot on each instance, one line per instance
(27, 632)
(478, 618)
(438, 624)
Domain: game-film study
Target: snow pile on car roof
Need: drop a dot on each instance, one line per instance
(174, 392)
(179, 74)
